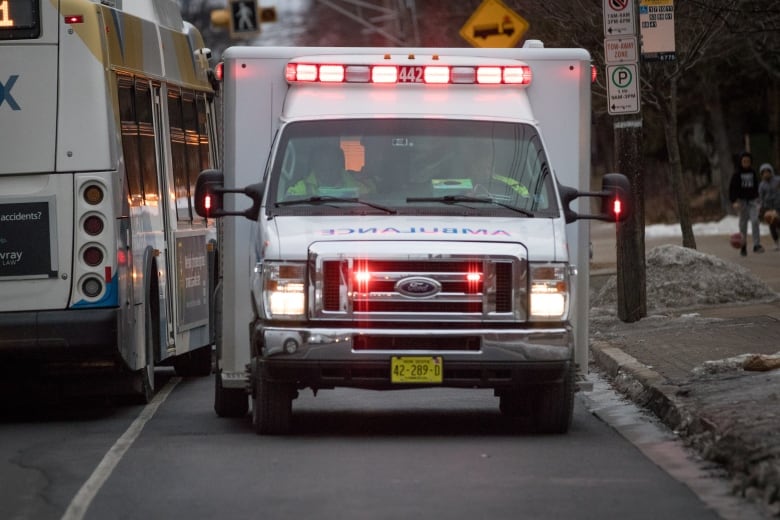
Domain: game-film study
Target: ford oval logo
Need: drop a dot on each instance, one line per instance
(418, 287)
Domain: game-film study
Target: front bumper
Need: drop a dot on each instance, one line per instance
(484, 358)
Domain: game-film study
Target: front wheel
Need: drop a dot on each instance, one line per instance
(271, 404)
(553, 405)
(143, 379)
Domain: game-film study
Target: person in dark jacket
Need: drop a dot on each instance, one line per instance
(743, 194)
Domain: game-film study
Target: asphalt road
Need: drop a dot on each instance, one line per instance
(354, 454)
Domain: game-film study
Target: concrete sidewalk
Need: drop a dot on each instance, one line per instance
(689, 368)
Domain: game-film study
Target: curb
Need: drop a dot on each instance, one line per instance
(759, 482)
(641, 384)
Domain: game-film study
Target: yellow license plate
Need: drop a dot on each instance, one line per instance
(416, 369)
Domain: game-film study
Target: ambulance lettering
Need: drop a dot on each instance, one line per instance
(414, 231)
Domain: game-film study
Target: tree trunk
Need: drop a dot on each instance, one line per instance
(721, 171)
(679, 186)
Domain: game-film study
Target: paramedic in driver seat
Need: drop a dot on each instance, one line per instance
(485, 182)
(327, 170)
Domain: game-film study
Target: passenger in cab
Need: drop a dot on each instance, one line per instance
(480, 167)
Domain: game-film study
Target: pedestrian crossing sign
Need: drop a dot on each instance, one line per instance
(244, 21)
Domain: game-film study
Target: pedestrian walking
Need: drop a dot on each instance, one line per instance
(743, 194)
(769, 193)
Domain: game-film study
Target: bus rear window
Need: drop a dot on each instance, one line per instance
(20, 19)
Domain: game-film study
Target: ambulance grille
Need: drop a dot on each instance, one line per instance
(489, 289)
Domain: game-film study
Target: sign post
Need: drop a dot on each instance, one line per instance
(620, 55)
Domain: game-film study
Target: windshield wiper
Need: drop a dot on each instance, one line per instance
(454, 199)
(327, 200)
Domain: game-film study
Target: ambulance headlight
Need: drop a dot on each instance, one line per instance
(549, 292)
(284, 290)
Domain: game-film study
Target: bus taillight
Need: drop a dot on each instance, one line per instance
(93, 194)
(93, 256)
(93, 225)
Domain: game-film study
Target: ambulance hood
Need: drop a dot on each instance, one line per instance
(289, 237)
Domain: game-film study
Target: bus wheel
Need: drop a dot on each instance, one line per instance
(144, 378)
(271, 405)
(229, 402)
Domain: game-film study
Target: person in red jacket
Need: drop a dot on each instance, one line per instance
(743, 194)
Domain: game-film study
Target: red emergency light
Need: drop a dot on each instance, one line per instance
(393, 74)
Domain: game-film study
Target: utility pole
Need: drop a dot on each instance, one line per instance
(621, 56)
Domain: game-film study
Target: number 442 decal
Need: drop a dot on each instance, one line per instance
(5, 93)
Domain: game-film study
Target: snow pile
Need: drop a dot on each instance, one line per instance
(678, 277)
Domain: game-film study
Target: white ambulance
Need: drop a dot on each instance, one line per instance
(409, 225)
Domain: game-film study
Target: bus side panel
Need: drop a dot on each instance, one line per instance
(84, 139)
(28, 108)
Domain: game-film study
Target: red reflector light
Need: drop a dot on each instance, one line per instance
(74, 18)
(93, 256)
(93, 225)
(617, 207)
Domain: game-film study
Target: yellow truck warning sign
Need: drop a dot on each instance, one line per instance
(494, 24)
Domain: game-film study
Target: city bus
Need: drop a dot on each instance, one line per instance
(107, 115)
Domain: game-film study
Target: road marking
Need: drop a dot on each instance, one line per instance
(81, 502)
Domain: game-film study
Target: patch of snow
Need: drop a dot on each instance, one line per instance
(678, 277)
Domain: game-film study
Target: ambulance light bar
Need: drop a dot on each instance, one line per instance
(392, 74)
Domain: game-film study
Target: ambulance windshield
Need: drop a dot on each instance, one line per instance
(412, 166)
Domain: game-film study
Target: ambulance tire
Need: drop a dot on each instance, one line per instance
(271, 405)
(229, 402)
(513, 403)
(553, 405)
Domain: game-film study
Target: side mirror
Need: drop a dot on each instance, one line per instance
(209, 200)
(615, 198)
(615, 204)
(208, 193)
